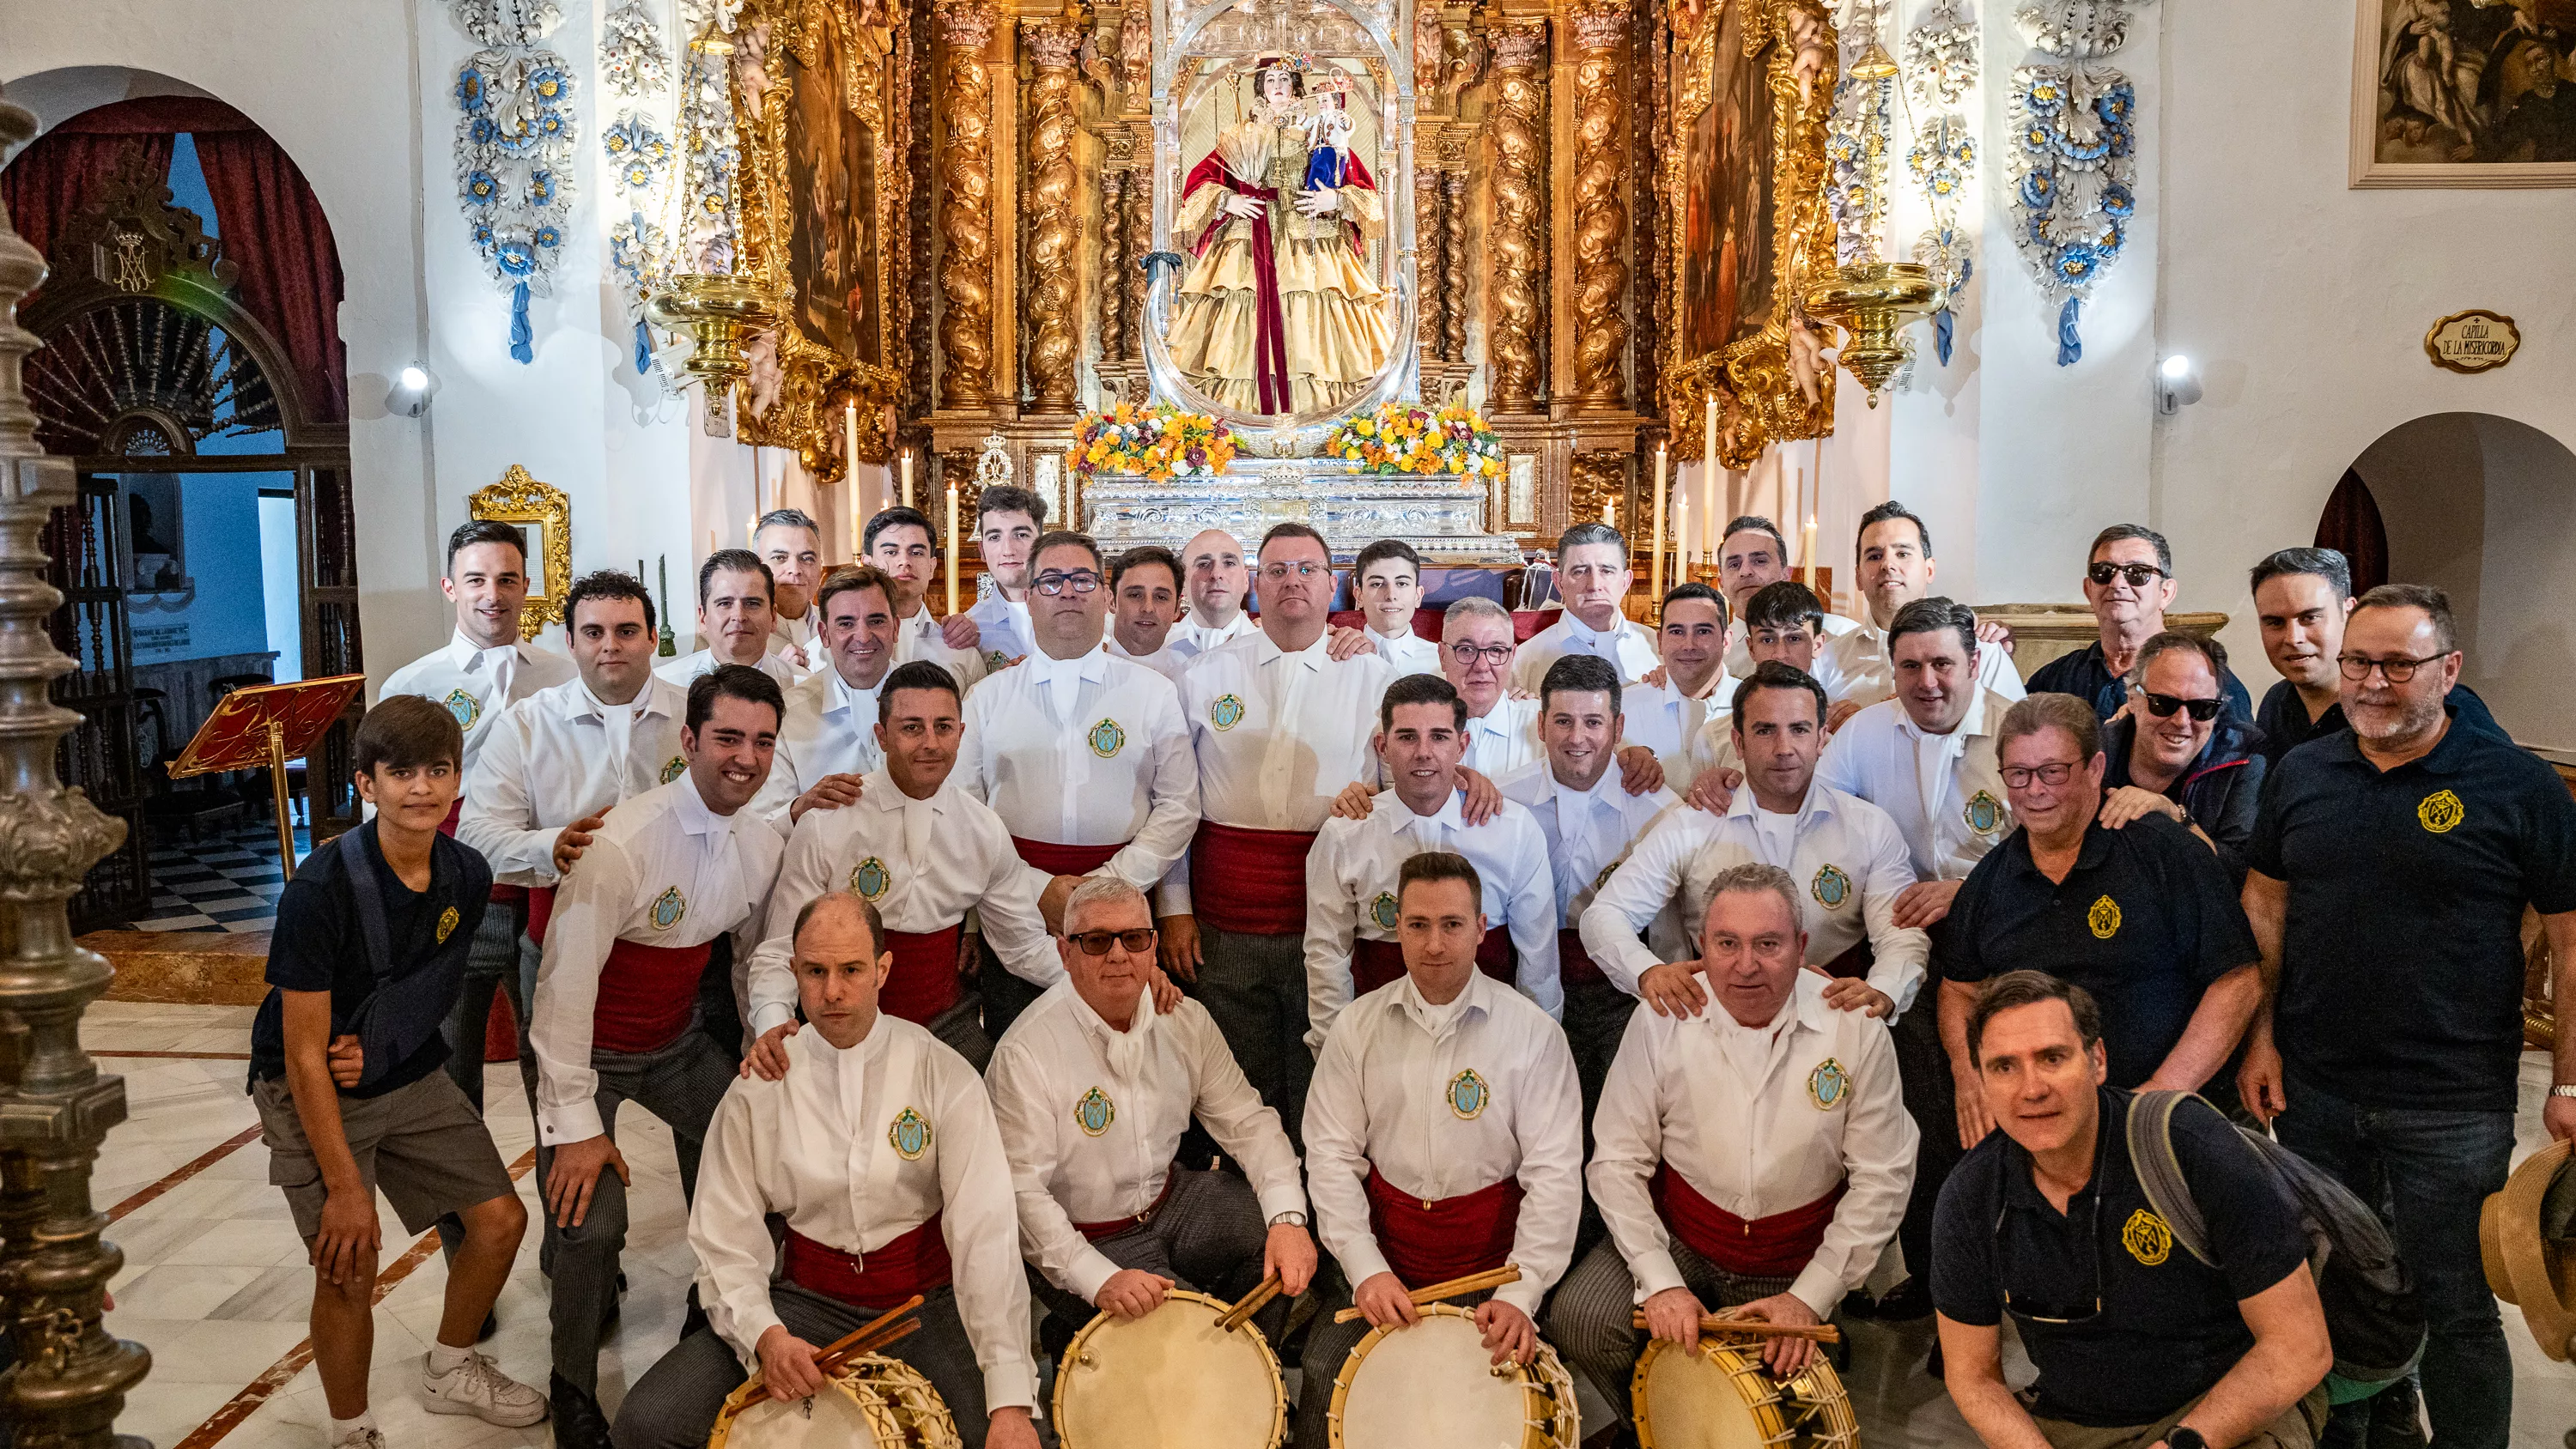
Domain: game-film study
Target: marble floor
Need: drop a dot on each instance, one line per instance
(215, 1282)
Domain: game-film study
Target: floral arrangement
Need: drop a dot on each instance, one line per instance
(1157, 442)
(1410, 438)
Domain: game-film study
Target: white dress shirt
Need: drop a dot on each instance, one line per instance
(1351, 884)
(1165, 661)
(686, 670)
(1669, 722)
(1854, 667)
(1043, 1076)
(1945, 792)
(799, 634)
(920, 637)
(660, 850)
(476, 685)
(1090, 750)
(1002, 630)
(559, 756)
(1190, 639)
(830, 729)
(1408, 652)
(1627, 644)
(1277, 735)
(1757, 1142)
(1381, 1095)
(1503, 739)
(1844, 853)
(942, 857)
(816, 1147)
(1588, 833)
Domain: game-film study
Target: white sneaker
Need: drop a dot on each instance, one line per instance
(362, 1439)
(479, 1388)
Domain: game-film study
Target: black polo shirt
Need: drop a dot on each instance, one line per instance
(2144, 920)
(2087, 675)
(2285, 724)
(2402, 966)
(2168, 1327)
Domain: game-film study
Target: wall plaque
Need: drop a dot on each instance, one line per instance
(2472, 341)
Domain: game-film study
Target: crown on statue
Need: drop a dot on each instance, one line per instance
(1293, 63)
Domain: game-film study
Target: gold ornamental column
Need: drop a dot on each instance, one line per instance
(1600, 209)
(55, 1108)
(1054, 46)
(1518, 124)
(966, 205)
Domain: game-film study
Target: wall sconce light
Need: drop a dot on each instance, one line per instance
(409, 395)
(2177, 385)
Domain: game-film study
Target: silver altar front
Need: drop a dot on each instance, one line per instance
(1441, 515)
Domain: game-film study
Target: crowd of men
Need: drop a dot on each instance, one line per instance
(1114, 937)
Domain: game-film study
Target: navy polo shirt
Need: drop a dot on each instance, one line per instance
(2401, 957)
(2168, 1327)
(2145, 920)
(2087, 676)
(2285, 724)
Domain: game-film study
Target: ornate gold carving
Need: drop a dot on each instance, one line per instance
(1114, 262)
(1600, 210)
(1519, 286)
(1594, 478)
(1431, 241)
(520, 499)
(1050, 201)
(1140, 240)
(966, 205)
(1426, 50)
(1136, 54)
(1453, 265)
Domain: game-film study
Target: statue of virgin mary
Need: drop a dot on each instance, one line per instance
(1278, 312)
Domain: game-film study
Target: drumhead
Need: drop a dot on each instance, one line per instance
(831, 1419)
(1171, 1378)
(1429, 1387)
(1717, 1398)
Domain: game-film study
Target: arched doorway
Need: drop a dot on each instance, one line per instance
(198, 385)
(2485, 508)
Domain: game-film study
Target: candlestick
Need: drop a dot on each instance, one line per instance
(1656, 568)
(1708, 462)
(952, 548)
(1689, 548)
(1807, 550)
(907, 477)
(850, 467)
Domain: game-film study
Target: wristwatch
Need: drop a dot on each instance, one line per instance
(2183, 1436)
(1289, 1220)
(2562, 1091)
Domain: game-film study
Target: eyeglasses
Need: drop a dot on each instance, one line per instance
(2139, 575)
(1096, 943)
(1052, 584)
(2054, 773)
(1278, 571)
(2357, 667)
(2162, 706)
(1493, 654)
(2092, 1250)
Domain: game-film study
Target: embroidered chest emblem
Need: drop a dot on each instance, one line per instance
(2147, 1238)
(668, 908)
(1094, 1113)
(2104, 918)
(465, 707)
(447, 920)
(1603, 878)
(1227, 712)
(674, 769)
(871, 879)
(1382, 910)
(2441, 812)
(1828, 1085)
(909, 1134)
(1984, 813)
(1468, 1096)
(1830, 887)
(1106, 739)
(995, 661)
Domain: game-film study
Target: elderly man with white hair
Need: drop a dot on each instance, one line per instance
(1093, 1089)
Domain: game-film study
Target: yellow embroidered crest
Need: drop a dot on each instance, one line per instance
(871, 879)
(1830, 887)
(2104, 918)
(668, 908)
(1468, 1095)
(2147, 1238)
(2441, 812)
(674, 770)
(1106, 739)
(909, 1134)
(465, 707)
(1094, 1113)
(1227, 712)
(447, 920)
(1828, 1085)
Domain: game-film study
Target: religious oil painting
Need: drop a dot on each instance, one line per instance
(1727, 277)
(2464, 93)
(831, 180)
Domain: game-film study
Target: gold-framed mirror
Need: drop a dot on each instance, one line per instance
(544, 514)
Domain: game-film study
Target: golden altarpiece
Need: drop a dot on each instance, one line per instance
(1598, 220)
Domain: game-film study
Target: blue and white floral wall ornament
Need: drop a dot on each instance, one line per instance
(710, 150)
(515, 130)
(1940, 70)
(1857, 136)
(641, 161)
(633, 59)
(506, 22)
(2074, 154)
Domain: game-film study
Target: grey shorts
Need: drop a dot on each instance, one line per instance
(423, 1144)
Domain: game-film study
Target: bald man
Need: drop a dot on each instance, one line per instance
(1214, 577)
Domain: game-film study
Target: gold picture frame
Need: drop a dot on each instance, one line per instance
(543, 509)
(1782, 60)
(2387, 82)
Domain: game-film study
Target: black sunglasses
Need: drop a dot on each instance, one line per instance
(1096, 943)
(2202, 710)
(2139, 575)
(2093, 1245)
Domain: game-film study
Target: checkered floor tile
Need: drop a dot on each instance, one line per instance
(225, 882)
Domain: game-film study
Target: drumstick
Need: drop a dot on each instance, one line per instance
(1717, 1324)
(867, 1337)
(1454, 1288)
(1234, 1317)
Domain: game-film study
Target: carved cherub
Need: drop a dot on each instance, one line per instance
(1804, 30)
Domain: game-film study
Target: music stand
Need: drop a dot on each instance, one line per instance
(267, 724)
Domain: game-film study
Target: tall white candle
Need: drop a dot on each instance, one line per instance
(1655, 567)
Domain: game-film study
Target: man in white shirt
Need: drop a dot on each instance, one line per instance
(1591, 823)
(1280, 727)
(1351, 946)
(1750, 558)
(903, 546)
(1093, 1089)
(1477, 651)
(1666, 708)
(1386, 582)
(734, 621)
(1217, 582)
(1085, 757)
(1755, 1158)
(1145, 602)
(879, 1154)
(617, 998)
(1443, 1138)
(1593, 575)
(1894, 552)
(1782, 623)
(791, 543)
(1008, 520)
(829, 742)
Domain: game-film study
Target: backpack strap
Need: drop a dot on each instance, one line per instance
(357, 866)
(2160, 1175)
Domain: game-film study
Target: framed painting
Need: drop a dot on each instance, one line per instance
(2464, 93)
(544, 515)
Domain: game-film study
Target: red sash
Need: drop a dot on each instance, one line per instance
(1269, 322)
(646, 995)
(1112, 1228)
(541, 909)
(1433, 1242)
(1250, 882)
(924, 982)
(1574, 965)
(1375, 963)
(1774, 1247)
(1056, 859)
(913, 1262)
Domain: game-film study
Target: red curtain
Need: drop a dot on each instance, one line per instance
(2352, 524)
(61, 174)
